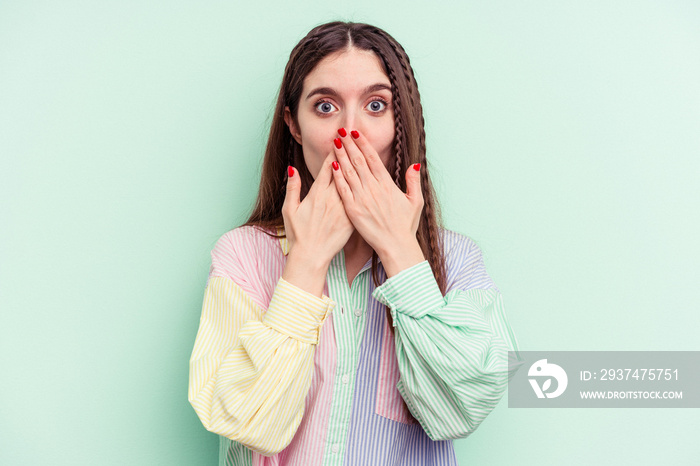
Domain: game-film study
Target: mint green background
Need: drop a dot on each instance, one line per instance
(564, 137)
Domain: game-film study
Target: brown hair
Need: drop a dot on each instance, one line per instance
(409, 143)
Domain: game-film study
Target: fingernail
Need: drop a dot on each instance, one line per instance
(290, 171)
(335, 165)
(355, 134)
(337, 142)
(342, 132)
(416, 166)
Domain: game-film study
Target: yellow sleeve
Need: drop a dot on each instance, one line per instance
(251, 369)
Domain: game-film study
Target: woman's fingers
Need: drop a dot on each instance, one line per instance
(342, 185)
(354, 169)
(374, 164)
(318, 223)
(324, 177)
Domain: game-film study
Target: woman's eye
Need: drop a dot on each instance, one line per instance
(325, 107)
(376, 106)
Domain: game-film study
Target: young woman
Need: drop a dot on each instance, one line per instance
(342, 325)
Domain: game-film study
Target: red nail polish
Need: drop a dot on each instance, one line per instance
(355, 134)
(337, 142)
(342, 132)
(335, 166)
(290, 171)
(416, 166)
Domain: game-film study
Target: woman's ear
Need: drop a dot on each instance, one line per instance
(292, 126)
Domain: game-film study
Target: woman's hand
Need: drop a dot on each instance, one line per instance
(386, 217)
(318, 226)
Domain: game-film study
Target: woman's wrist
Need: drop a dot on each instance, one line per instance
(306, 270)
(399, 257)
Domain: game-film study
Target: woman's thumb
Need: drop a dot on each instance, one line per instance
(293, 188)
(413, 189)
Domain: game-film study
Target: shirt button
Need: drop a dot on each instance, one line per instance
(358, 312)
(335, 448)
(346, 378)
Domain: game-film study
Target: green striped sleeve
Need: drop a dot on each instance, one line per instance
(452, 351)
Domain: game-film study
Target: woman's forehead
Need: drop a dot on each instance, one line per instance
(352, 70)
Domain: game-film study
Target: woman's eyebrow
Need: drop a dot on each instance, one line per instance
(332, 92)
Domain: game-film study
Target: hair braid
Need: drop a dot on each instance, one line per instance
(436, 260)
(415, 99)
(432, 226)
(414, 94)
(398, 152)
(398, 124)
(406, 68)
(432, 215)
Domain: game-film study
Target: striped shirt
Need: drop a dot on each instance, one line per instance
(288, 378)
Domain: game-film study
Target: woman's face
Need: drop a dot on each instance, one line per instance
(347, 89)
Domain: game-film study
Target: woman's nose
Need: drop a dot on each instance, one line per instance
(349, 125)
(350, 120)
